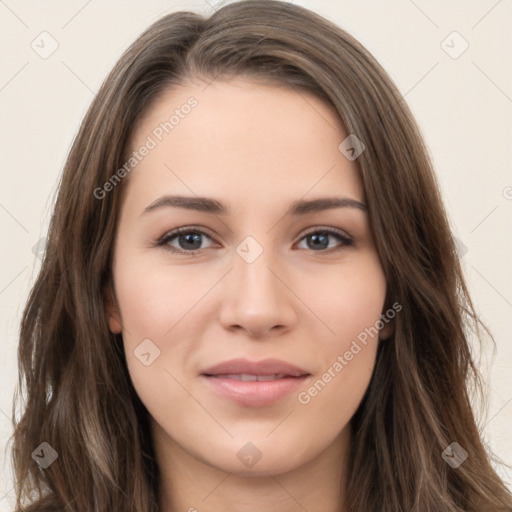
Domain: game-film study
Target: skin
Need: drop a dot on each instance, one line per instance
(257, 149)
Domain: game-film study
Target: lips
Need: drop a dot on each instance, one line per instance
(247, 377)
(265, 367)
(254, 383)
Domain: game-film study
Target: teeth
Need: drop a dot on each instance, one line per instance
(246, 377)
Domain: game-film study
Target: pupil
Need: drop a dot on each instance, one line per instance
(316, 237)
(190, 239)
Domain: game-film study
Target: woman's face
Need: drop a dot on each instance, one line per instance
(259, 275)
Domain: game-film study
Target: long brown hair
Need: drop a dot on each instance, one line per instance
(79, 396)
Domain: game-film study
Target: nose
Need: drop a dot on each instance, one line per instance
(258, 299)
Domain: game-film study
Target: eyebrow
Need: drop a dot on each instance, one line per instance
(206, 204)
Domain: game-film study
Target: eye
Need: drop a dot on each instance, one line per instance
(189, 240)
(320, 239)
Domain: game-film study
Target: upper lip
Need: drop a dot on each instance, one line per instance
(262, 367)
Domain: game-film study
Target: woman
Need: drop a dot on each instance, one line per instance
(251, 297)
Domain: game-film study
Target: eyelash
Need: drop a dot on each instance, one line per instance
(165, 239)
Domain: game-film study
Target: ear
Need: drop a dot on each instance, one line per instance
(112, 311)
(388, 330)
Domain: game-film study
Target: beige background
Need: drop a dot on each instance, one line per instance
(463, 106)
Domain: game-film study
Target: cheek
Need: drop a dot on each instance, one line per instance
(159, 304)
(153, 304)
(336, 391)
(352, 311)
(350, 300)
(152, 299)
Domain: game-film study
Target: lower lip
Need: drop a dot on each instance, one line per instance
(254, 393)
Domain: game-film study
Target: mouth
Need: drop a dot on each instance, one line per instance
(254, 383)
(253, 390)
(241, 367)
(247, 377)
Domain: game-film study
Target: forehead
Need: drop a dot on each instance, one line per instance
(241, 136)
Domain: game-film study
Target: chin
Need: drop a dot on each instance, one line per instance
(255, 459)
(274, 466)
